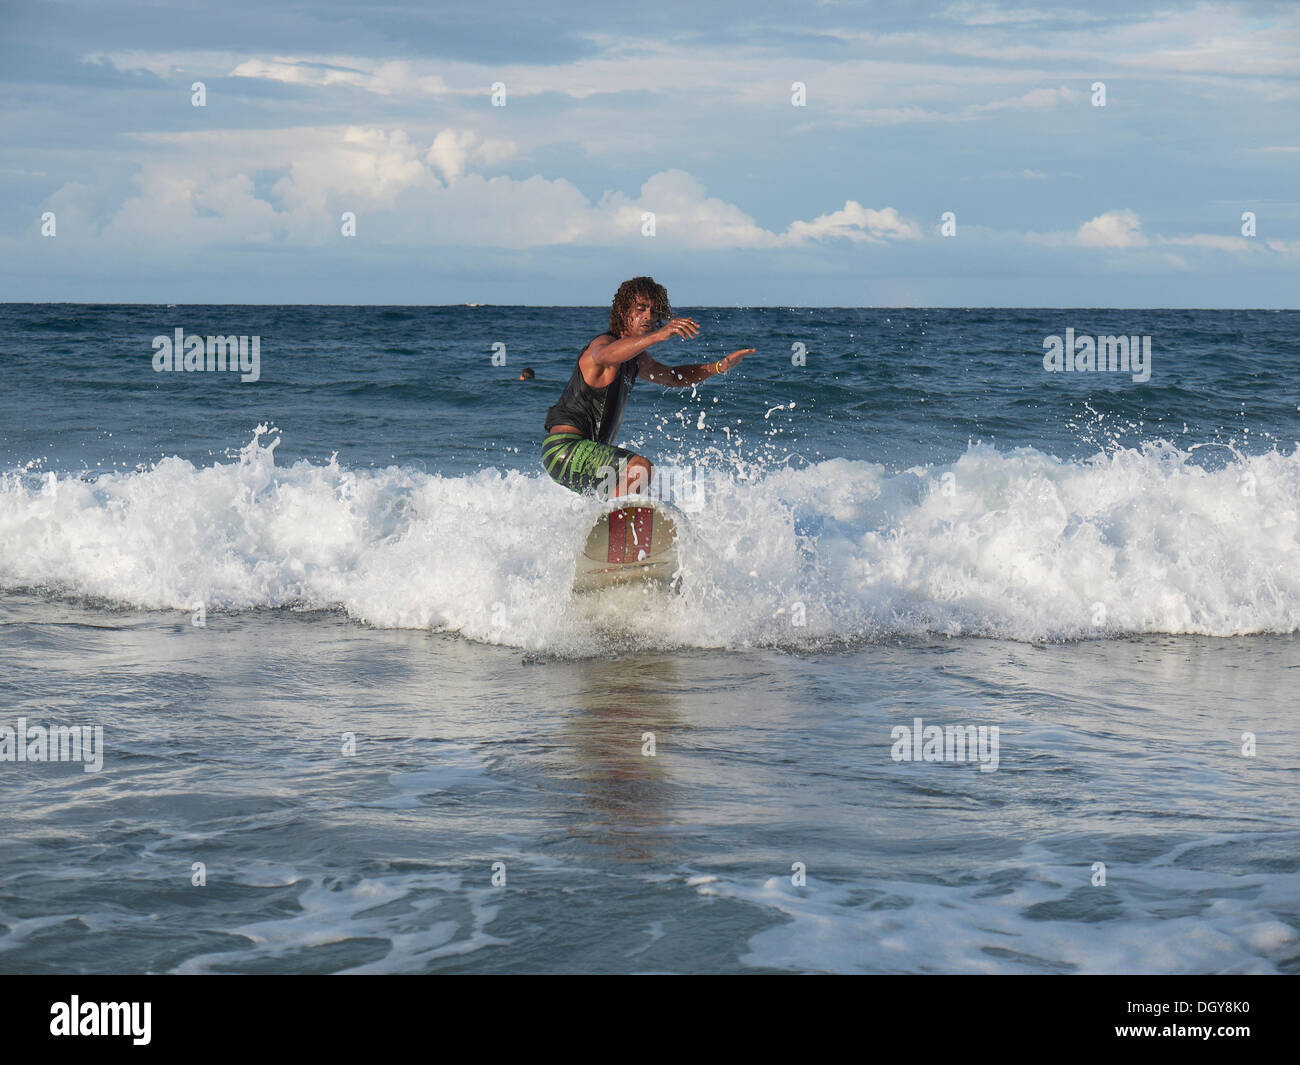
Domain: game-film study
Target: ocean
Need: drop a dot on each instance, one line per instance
(977, 666)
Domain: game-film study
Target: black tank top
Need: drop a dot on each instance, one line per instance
(595, 412)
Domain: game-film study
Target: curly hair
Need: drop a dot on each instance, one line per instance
(625, 299)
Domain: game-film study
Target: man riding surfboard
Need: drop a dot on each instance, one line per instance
(579, 450)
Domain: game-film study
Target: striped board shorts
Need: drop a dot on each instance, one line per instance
(583, 465)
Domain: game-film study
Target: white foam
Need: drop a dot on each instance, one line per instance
(1013, 544)
(431, 925)
(1152, 918)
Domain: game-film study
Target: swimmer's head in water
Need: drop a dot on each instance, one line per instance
(526, 374)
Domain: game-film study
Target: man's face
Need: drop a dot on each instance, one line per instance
(639, 317)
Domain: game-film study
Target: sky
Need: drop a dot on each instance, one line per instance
(742, 152)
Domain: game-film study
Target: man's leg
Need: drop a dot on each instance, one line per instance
(635, 476)
(586, 466)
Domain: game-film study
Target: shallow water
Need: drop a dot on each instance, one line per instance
(223, 745)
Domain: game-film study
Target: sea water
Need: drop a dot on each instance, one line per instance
(352, 720)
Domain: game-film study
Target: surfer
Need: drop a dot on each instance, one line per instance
(579, 450)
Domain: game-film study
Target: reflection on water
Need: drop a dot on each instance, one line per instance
(623, 710)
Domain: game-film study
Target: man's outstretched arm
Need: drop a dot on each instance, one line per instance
(650, 369)
(604, 351)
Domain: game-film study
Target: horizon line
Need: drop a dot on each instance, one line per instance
(605, 307)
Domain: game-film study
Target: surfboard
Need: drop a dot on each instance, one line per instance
(631, 542)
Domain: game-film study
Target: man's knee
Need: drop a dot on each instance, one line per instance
(639, 472)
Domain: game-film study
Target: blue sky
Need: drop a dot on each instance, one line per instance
(683, 110)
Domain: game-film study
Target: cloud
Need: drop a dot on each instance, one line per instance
(374, 164)
(925, 73)
(302, 72)
(685, 215)
(404, 193)
(1035, 99)
(855, 222)
(971, 14)
(1218, 242)
(1122, 230)
(453, 150)
(1114, 229)
(75, 210)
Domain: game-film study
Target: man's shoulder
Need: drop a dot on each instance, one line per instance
(598, 342)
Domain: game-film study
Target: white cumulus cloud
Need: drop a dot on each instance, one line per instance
(405, 192)
(1114, 229)
(453, 150)
(855, 222)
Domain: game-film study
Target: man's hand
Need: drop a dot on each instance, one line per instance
(650, 369)
(686, 328)
(726, 364)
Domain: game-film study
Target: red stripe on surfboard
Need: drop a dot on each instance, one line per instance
(617, 534)
(643, 524)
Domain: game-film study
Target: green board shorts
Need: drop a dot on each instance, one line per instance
(583, 465)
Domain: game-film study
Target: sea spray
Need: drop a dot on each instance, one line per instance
(1014, 544)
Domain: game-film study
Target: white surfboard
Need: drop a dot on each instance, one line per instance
(634, 540)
